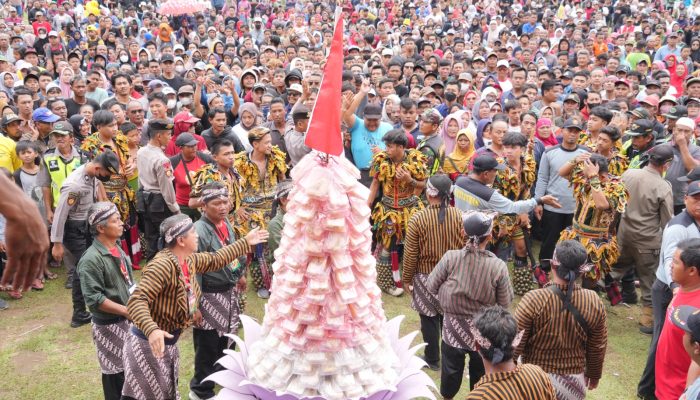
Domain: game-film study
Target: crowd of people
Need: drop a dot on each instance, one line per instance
(165, 143)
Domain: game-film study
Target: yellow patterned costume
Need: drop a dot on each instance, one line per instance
(585, 139)
(117, 188)
(515, 187)
(618, 164)
(391, 214)
(210, 173)
(256, 196)
(596, 229)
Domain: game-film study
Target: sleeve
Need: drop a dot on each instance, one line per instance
(542, 177)
(43, 179)
(596, 344)
(411, 249)
(207, 262)
(666, 208)
(66, 201)
(92, 282)
(151, 284)
(274, 228)
(164, 175)
(504, 289)
(504, 205)
(439, 275)
(671, 237)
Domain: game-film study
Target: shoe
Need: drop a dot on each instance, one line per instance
(396, 292)
(646, 330)
(430, 366)
(37, 284)
(646, 320)
(263, 293)
(80, 318)
(3, 305)
(69, 284)
(15, 294)
(194, 396)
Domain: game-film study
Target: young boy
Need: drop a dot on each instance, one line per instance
(25, 177)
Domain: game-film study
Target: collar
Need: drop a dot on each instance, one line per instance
(651, 170)
(499, 376)
(101, 248)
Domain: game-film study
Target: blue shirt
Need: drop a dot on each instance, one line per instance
(363, 140)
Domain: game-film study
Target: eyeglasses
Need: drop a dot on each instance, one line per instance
(136, 111)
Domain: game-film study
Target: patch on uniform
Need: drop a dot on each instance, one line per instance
(53, 165)
(72, 198)
(169, 172)
(168, 168)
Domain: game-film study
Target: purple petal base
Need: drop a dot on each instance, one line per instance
(412, 382)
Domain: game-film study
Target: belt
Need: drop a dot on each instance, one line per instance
(106, 321)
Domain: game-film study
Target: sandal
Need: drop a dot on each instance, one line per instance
(37, 284)
(15, 294)
(50, 275)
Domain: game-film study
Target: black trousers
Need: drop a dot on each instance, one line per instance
(155, 212)
(453, 369)
(661, 296)
(552, 226)
(76, 239)
(112, 385)
(430, 328)
(208, 348)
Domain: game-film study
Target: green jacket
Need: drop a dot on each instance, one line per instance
(223, 279)
(101, 278)
(274, 228)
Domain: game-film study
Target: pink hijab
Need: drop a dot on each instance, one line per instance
(552, 139)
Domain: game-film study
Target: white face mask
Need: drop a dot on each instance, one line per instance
(124, 59)
(172, 104)
(464, 87)
(185, 101)
(544, 50)
(179, 69)
(42, 36)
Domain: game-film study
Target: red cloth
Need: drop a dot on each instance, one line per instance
(36, 25)
(672, 361)
(182, 184)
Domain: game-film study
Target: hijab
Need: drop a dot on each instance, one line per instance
(480, 128)
(446, 139)
(460, 158)
(9, 90)
(251, 108)
(552, 139)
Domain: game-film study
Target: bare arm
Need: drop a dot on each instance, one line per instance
(373, 189)
(115, 308)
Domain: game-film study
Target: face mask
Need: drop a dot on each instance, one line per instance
(124, 59)
(196, 59)
(544, 50)
(42, 36)
(449, 96)
(171, 104)
(487, 142)
(665, 109)
(103, 178)
(186, 101)
(179, 69)
(464, 87)
(138, 88)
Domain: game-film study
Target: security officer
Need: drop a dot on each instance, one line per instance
(69, 229)
(294, 137)
(641, 140)
(59, 162)
(156, 196)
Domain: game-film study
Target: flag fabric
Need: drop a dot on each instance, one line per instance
(323, 133)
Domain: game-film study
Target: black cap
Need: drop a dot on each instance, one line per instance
(109, 161)
(185, 139)
(157, 125)
(477, 224)
(693, 188)
(653, 82)
(641, 113)
(693, 175)
(676, 112)
(641, 127)
(9, 118)
(688, 319)
(373, 111)
(438, 83)
(661, 153)
(301, 113)
(487, 162)
(574, 123)
(167, 58)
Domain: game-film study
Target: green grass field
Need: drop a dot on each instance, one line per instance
(41, 357)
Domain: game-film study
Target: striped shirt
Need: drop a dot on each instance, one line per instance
(467, 280)
(554, 340)
(527, 381)
(160, 301)
(427, 240)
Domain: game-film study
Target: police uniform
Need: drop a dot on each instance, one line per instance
(294, 140)
(156, 196)
(78, 193)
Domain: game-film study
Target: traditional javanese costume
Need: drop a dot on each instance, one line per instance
(391, 214)
(596, 229)
(257, 194)
(515, 186)
(618, 164)
(118, 190)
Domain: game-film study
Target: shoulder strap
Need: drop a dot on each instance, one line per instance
(570, 307)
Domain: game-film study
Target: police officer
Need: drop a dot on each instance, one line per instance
(156, 196)
(59, 162)
(69, 230)
(294, 138)
(641, 140)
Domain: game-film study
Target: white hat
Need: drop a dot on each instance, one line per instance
(387, 52)
(168, 90)
(53, 33)
(687, 122)
(502, 63)
(296, 87)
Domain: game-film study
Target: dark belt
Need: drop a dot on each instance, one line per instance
(217, 288)
(106, 321)
(169, 342)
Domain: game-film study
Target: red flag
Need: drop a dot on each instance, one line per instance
(323, 133)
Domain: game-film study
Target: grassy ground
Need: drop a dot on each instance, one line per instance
(41, 357)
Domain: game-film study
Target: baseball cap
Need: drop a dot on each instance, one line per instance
(502, 63)
(185, 116)
(167, 58)
(9, 118)
(677, 112)
(623, 81)
(200, 66)
(478, 58)
(387, 52)
(688, 319)
(670, 98)
(662, 153)
(653, 82)
(652, 100)
(260, 86)
(431, 115)
(185, 89)
(477, 224)
(693, 175)
(465, 76)
(438, 83)
(572, 97)
(692, 100)
(295, 87)
(693, 79)
(373, 111)
(43, 114)
(185, 139)
(573, 123)
(156, 83)
(686, 122)
(168, 90)
(641, 113)
(487, 162)
(693, 188)
(62, 128)
(53, 33)
(641, 127)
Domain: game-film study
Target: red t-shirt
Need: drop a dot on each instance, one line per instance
(182, 184)
(672, 362)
